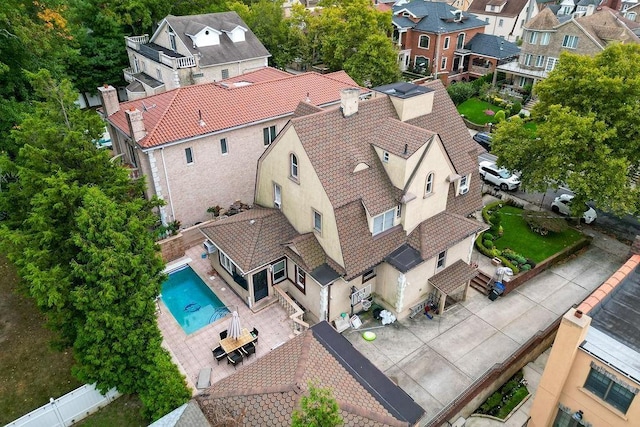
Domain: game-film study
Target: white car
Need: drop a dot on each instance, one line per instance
(562, 205)
(500, 177)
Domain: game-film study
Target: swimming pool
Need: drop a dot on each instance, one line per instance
(190, 300)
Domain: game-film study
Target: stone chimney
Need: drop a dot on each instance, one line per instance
(136, 124)
(349, 101)
(109, 99)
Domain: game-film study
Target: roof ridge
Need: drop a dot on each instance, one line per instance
(387, 420)
(162, 116)
(292, 76)
(283, 388)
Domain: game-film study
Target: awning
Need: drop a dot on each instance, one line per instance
(453, 277)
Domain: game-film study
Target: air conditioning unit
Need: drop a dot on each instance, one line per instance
(464, 190)
(209, 247)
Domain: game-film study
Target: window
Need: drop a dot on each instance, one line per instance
(486, 20)
(565, 418)
(225, 73)
(399, 211)
(570, 42)
(317, 221)
(422, 62)
(428, 187)
(533, 37)
(492, 8)
(443, 64)
(523, 81)
(527, 59)
(368, 275)
(172, 41)
(293, 170)
(383, 221)
(226, 263)
(539, 61)
(460, 41)
(189, 155)
(132, 153)
(544, 39)
(269, 135)
(277, 196)
(441, 259)
(423, 42)
(300, 278)
(224, 148)
(159, 74)
(631, 16)
(551, 64)
(136, 65)
(608, 388)
(385, 157)
(522, 23)
(464, 184)
(447, 40)
(279, 271)
(500, 22)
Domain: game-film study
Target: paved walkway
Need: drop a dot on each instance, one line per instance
(436, 360)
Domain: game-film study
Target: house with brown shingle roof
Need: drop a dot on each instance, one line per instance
(193, 49)
(504, 18)
(198, 146)
(547, 36)
(378, 193)
(269, 390)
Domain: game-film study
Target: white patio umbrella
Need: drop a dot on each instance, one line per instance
(235, 330)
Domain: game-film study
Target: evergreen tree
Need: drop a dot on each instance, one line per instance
(318, 409)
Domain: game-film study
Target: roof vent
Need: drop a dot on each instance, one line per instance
(406, 148)
(457, 15)
(200, 121)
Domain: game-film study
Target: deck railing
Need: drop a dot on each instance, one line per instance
(293, 310)
(184, 62)
(134, 42)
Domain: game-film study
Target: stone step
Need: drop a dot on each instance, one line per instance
(482, 283)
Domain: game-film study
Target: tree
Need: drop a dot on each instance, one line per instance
(588, 132)
(318, 409)
(79, 234)
(374, 63)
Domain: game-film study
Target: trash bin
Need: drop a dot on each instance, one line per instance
(498, 289)
(493, 295)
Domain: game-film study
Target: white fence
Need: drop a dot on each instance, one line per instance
(68, 409)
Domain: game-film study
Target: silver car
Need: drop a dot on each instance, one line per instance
(500, 177)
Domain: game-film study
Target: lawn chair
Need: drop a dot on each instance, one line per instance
(234, 358)
(218, 354)
(248, 349)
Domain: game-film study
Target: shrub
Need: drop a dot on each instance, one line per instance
(515, 108)
(525, 267)
(461, 92)
(488, 244)
(488, 236)
(520, 259)
(500, 116)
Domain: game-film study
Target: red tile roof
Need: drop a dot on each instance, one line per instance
(609, 285)
(264, 74)
(175, 115)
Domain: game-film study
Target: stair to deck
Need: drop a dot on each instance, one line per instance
(482, 283)
(530, 103)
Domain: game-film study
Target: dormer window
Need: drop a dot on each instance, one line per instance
(383, 221)
(428, 187)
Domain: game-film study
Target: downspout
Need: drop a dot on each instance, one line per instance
(437, 54)
(166, 177)
(157, 187)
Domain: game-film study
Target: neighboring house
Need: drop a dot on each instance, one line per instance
(547, 36)
(198, 146)
(632, 13)
(187, 50)
(504, 18)
(267, 392)
(431, 37)
(484, 53)
(369, 198)
(592, 377)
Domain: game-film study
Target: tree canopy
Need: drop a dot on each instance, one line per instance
(80, 235)
(318, 409)
(588, 130)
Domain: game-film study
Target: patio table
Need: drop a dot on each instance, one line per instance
(229, 344)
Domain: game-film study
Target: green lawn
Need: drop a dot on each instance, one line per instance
(124, 411)
(473, 110)
(518, 237)
(31, 371)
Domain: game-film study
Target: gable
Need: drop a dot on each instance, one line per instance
(206, 37)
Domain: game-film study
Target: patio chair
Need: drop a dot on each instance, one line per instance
(234, 358)
(248, 349)
(223, 334)
(255, 334)
(218, 354)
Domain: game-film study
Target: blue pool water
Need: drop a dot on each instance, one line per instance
(190, 300)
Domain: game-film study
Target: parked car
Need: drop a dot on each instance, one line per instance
(500, 177)
(484, 139)
(562, 205)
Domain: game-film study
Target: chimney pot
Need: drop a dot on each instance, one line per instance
(578, 314)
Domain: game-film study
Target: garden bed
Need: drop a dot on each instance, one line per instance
(508, 397)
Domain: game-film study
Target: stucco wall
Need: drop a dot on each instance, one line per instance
(299, 198)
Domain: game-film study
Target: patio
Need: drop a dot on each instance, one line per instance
(193, 352)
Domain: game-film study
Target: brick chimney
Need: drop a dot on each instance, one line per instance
(349, 101)
(136, 124)
(109, 99)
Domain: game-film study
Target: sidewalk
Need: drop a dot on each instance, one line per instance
(434, 361)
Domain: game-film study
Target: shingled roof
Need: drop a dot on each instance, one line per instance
(269, 390)
(492, 46)
(435, 17)
(545, 20)
(511, 9)
(606, 26)
(252, 238)
(175, 115)
(225, 52)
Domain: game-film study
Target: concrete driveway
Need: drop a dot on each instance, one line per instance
(436, 360)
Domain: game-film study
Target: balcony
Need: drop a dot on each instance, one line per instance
(135, 42)
(480, 70)
(129, 75)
